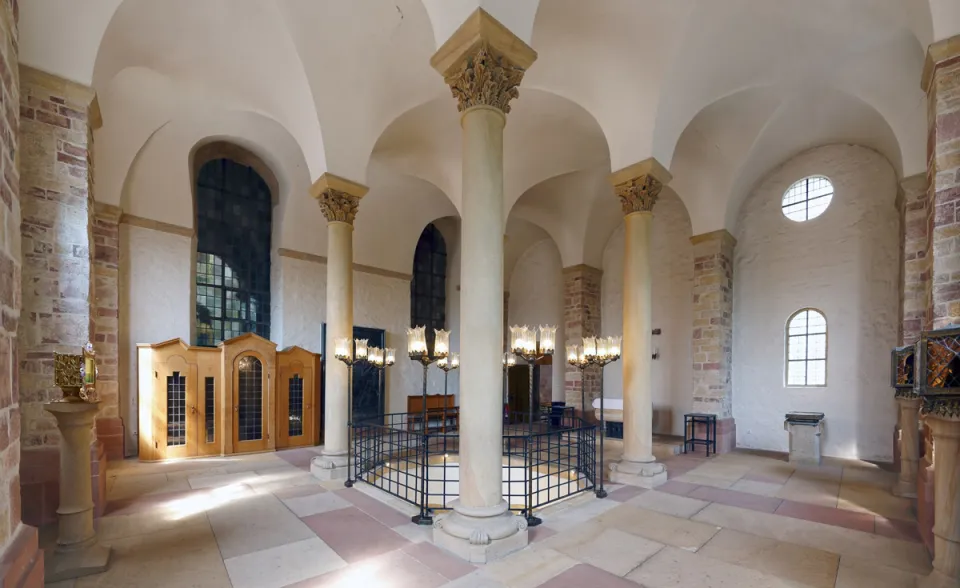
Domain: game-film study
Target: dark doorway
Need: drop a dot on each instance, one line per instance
(365, 403)
(518, 382)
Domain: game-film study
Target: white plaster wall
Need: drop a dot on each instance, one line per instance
(672, 266)
(155, 290)
(843, 263)
(536, 298)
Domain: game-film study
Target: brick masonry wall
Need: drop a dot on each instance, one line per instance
(581, 317)
(915, 282)
(943, 174)
(106, 260)
(713, 323)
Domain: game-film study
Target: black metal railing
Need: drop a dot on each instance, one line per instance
(550, 459)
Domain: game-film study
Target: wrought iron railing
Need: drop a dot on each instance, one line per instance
(550, 459)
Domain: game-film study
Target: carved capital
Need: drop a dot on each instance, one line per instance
(485, 78)
(639, 194)
(338, 206)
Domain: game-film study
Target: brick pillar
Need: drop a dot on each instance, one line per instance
(106, 259)
(713, 332)
(21, 562)
(581, 317)
(915, 259)
(58, 292)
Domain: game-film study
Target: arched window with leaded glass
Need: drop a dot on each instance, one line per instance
(806, 349)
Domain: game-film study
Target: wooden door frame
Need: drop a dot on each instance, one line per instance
(179, 364)
(256, 444)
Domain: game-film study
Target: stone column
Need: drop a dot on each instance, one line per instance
(339, 200)
(483, 63)
(77, 553)
(638, 187)
(581, 317)
(909, 406)
(713, 332)
(943, 417)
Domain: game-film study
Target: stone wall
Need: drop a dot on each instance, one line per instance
(21, 562)
(106, 328)
(916, 263)
(581, 318)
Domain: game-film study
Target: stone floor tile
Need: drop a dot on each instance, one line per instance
(787, 561)
(584, 575)
(819, 492)
(449, 566)
(273, 480)
(254, 524)
(529, 567)
(692, 477)
(478, 579)
(734, 498)
(373, 507)
(141, 485)
(183, 556)
(539, 533)
(283, 565)
(826, 471)
(862, 497)
(856, 573)
(565, 518)
(219, 480)
(773, 474)
(658, 527)
(673, 567)
(758, 487)
(829, 516)
(869, 475)
(671, 504)
(612, 550)
(625, 493)
(315, 503)
(903, 555)
(300, 457)
(144, 503)
(414, 533)
(395, 569)
(723, 469)
(678, 488)
(157, 519)
(298, 491)
(898, 529)
(353, 534)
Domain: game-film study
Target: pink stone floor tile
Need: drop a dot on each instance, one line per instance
(735, 498)
(587, 576)
(678, 488)
(353, 534)
(298, 491)
(898, 529)
(449, 566)
(395, 569)
(625, 493)
(298, 457)
(540, 533)
(373, 507)
(837, 517)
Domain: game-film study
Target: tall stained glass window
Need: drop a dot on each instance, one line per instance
(428, 289)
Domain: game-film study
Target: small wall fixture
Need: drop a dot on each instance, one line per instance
(656, 331)
(656, 353)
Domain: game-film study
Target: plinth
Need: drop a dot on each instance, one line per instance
(77, 553)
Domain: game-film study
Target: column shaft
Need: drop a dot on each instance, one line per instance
(909, 447)
(637, 342)
(946, 526)
(339, 325)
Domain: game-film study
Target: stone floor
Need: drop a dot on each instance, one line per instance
(737, 520)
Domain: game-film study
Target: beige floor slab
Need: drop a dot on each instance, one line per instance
(675, 567)
(658, 527)
(724, 470)
(856, 573)
(862, 497)
(577, 513)
(759, 488)
(185, 556)
(872, 476)
(529, 567)
(154, 520)
(671, 504)
(284, 565)
(692, 478)
(255, 523)
(610, 549)
(904, 555)
(127, 487)
(219, 480)
(812, 491)
(788, 561)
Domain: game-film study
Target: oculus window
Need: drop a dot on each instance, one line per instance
(807, 349)
(807, 199)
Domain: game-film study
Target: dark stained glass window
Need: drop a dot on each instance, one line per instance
(234, 220)
(428, 289)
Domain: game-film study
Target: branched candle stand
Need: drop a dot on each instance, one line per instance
(344, 351)
(509, 360)
(524, 344)
(417, 351)
(447, 365)
(381, 359)
(598, 351)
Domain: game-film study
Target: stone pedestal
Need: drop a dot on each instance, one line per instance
(945, 426)
(77, 553)
(805, 430)
(909, 446)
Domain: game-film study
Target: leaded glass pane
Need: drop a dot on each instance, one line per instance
(250, 406)
(176, 410)
(806, 349)
(295, 407)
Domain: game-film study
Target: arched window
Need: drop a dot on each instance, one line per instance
(807, 199)
(807, 348)
(428, 289)
(234, 219)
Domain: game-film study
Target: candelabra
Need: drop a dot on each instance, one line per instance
(577, 359)
(381, 359)
(417, 351)
(509, 360)
(600, 351)
(447, 364)
(524, 344)
(344, 351)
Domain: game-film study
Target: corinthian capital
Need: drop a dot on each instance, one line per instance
(483, 63)
(639, 185)
(339, 198)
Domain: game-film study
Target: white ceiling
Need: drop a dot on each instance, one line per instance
(719, 91)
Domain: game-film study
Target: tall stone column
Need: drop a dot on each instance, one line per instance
(483, 63)
(581, 317)
(638, 187)
(908, 404)
(713, 332)
(339, 200)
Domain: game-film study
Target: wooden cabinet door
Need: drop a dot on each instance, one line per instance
(209, 405)
(296, 405)
(251, 385)
(176, 389)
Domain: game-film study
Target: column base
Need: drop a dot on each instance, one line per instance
(905, 489)
(938, 579)
(480, 535)
(648, 474)
(329, 467)
(65, 565)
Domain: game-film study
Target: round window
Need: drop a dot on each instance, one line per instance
(807, 199)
